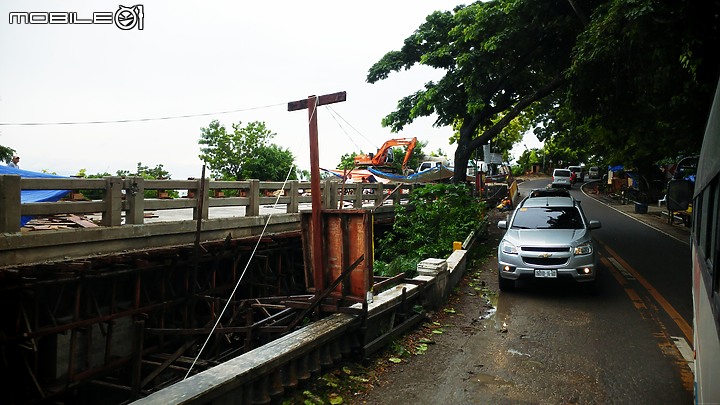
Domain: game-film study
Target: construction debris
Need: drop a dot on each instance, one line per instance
(60, 221)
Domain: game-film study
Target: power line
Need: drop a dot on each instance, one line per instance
(334, 117)
(123, 121)
(350, 125)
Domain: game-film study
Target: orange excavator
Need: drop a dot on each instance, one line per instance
(384, 155)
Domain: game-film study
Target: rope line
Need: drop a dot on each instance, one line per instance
(350, 125)
(332, 114)
(247, 265)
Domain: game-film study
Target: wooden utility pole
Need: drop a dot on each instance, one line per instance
(312, 103)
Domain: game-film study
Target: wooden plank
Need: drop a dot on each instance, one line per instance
(81, 221)
(322, 100)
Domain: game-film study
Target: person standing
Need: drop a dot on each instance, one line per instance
(15, 162)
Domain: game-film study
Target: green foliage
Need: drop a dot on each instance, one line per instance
(334, 385)
(527, 159)
(156, 173)
(417, 156)
(642, 78)
(397, 349)
(271, 162)
(500, 57)
(608, 80)
(402, 264)
(6, 153)
(508, 137)
(347, 161)
(518, 170)
(436, 216)
(304, 175)
(245, 153)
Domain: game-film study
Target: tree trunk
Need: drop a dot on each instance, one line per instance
(467, 144)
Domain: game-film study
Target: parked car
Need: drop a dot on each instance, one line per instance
(579, 173)
(547, 238)
(561, 178)
(594, 172)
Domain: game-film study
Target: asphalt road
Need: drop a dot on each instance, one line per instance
(641, 318)
(555, 343)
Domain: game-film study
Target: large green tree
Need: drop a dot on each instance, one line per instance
(622, 80)
(641, 80)
(499, 58)
(245, 153)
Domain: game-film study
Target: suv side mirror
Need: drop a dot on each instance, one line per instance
(502, 224)
(595, 224)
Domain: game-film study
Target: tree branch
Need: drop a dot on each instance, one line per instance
(493, 131)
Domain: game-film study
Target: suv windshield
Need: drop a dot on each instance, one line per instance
(547, 218)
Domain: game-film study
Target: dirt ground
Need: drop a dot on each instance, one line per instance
(452, 334)
(415, 368)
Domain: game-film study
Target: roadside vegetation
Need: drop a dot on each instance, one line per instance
(436, 216)
(350, 381)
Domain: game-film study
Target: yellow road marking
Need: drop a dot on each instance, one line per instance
(669, 309)
(621, 271)
(620, 279)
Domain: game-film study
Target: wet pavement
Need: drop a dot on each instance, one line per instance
(655, 217)
(543, 344)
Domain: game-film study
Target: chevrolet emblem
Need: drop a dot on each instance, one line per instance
(545, 255)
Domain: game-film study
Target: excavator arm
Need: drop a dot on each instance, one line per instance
(383, 157)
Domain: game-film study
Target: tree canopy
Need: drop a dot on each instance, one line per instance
(614, 78)
(245, 153)
(6, 153)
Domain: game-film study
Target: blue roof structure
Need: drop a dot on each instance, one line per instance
(28, 196)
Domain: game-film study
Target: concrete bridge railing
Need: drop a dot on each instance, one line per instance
(123, 225)
(125, 197)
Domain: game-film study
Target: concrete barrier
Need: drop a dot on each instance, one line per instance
(264, 374)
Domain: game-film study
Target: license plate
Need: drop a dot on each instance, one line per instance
(546, 273)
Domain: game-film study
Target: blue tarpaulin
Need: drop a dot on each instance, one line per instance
(27, 196)
(436, 173)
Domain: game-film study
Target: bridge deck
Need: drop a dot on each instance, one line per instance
(124, 225)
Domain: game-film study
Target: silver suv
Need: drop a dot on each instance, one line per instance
(547, 238)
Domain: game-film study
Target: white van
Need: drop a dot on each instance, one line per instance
(594, 172)
(579, 173)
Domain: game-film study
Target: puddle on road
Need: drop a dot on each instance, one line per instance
(487, 379)
(488, 313)
(517, 352)
(490, 307)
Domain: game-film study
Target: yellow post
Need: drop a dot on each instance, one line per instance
(457, 245)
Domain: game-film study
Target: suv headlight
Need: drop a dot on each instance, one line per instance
(508, 248)
(584, 249)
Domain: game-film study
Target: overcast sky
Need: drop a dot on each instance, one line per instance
(195, 58)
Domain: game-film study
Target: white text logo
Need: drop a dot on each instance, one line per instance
(125, 18)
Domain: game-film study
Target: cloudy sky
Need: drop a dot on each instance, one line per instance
(234, 61)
